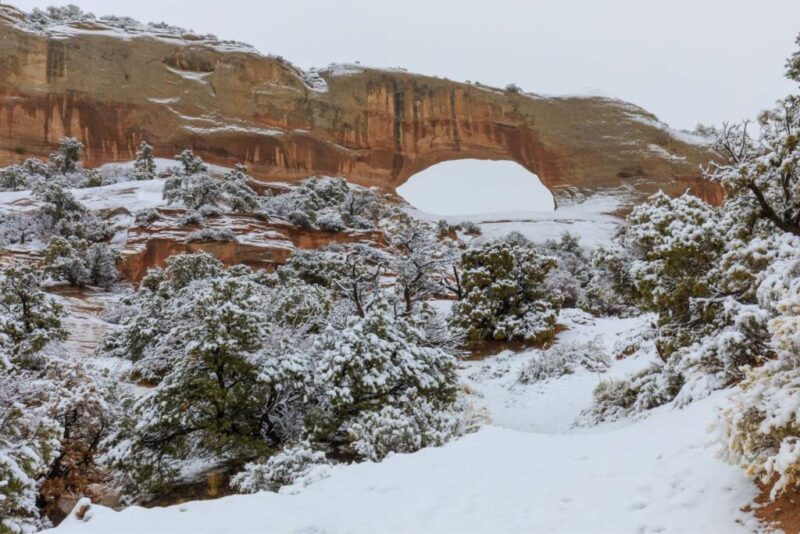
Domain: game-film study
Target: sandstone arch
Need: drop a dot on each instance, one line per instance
(374, 127)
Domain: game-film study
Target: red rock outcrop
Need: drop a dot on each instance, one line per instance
(260, 244)
(113, 88)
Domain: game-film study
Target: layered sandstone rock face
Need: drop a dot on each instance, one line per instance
(259, 243)
(113, 88)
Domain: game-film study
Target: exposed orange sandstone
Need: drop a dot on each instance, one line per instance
(374, 127)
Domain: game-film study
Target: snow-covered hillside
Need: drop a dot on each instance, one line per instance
(528, 470)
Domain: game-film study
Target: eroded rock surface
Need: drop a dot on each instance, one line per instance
(113, 88)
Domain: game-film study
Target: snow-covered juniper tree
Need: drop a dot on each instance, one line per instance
(144, 320)
(62, 214)
(193, 190)
(353, 274)
(239, 196)
(19, 228)
(760, 430)
(374, 362)
(29, 443)
(197, 189)
(417, 261)
(505, 297)
(327, 203)
(80, 263)
(144, 168)
(674, 244)
(66, 159)
(230, 389)
(191, 164)
(572, 273)
(29, 319)
(14, 178)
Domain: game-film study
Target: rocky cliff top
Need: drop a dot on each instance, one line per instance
(114, 82)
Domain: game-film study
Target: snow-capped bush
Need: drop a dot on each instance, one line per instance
(611, 289)
(29, 442)
(14, 178)
(566, 358)
(330, 221)
(20, 228)
(760, 430)
(675, 243)
(146, 217)
(197, 189)
(327, 203)
(61, 214)
(80, 263)
(229, 388)
(374, 435)
(284, 468)
(572, 272)
(376, 361)
(505, 297)
(29, 319)
(615, 399)
(211, 234)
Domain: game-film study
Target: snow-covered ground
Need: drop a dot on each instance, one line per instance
(592, 220)
(529, 470)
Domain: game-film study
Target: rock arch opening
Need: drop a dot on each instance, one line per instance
(474, 187)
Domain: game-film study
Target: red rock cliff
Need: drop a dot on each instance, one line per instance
(113, 88)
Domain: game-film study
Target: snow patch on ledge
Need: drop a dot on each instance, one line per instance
(267, 132)
(199, 77)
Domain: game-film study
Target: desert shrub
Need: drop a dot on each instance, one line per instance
(146, 217)
(211, 234)
(504, 294)
(374, 435)
(283, 468)
(144, 168)
(566, 358)
(760, 429)
(29, 319)
(80, 263)
(572, 272)
(330, 221)
(647, 389)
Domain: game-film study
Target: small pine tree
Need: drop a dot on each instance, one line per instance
(191, 164)
(227, 388)
(14, 178)
(67, 157)
(145, 166)
(239, 196)
(505, 297)
(386, 363)
(29, 442)
(65, 260)
(29, 319)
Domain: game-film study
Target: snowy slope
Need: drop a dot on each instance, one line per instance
(592, 221)
(529, 471)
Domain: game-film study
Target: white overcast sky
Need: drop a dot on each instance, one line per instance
(688, 61)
